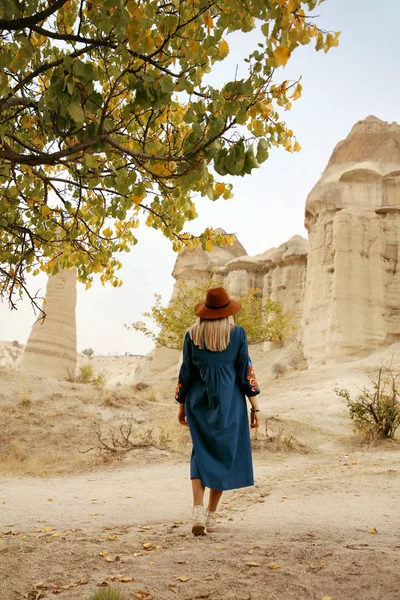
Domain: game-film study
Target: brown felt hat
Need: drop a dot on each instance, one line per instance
(217, 305)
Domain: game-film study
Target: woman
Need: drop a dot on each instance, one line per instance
(215, 376)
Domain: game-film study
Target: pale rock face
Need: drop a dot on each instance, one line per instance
(279, 273)
(353, 218)
(51, 348)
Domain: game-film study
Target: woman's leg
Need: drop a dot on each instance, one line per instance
(215, 496)
(198, 492)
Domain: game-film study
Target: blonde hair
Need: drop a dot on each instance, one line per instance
(212, 334)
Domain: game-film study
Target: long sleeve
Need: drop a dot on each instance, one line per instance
(245, 373)
(186, 372)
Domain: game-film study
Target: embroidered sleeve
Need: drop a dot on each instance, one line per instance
(251, 378)
(246, 377)
(185, 372)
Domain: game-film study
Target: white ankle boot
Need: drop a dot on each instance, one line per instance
(198, 525)
(210, 521)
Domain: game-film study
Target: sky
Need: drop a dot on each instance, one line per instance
(357, 79)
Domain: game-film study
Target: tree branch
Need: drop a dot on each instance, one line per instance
(15, 24)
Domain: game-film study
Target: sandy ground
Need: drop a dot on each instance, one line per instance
(322, 521)
(329, 524)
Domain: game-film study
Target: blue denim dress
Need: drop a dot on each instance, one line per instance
(213, 386)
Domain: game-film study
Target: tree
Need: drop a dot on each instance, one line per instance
(88, 352)
(105, 118)
(263, 320)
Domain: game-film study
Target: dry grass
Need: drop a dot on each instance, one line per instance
(274, 439)
(51, 424)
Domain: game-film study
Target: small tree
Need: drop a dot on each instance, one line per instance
(263, 320)
(375, 412)
(88, 352)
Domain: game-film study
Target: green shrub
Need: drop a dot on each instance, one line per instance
(107, 594)
(375, 412)
(88, 352)
(86, 375)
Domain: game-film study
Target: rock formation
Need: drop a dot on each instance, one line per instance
(344, 283)
(51, 348)
(279, 273)
(352, 301)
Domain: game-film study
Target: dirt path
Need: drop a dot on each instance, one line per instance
(310, 515)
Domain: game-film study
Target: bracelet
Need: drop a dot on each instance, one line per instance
(255, 410)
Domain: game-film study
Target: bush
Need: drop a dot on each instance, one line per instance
(278, 370)
(107, 594)
(88, 352)
(375, 412)
(87, 376)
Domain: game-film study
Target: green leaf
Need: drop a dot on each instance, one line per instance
(262, 151)
(76, 112)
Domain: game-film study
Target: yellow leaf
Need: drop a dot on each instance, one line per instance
(219, 188)
(209, 246)
(47, 529)
(296, 147)
(373, 530)
(147, 545)
(107, 232)
(49, 499)
(282, 55)
(193, 45)
(208, 20)
(183, 578)
(126, 579)
(223, 49)
(327, 598)
(46, 211)
(273, 566)
(56, 534)
(253, 564)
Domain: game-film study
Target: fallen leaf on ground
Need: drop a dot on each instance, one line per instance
(147, 545)
(143, 595)
(183, 578)
(112, 538)
(373, 530)
(126, 579)
(47, 529)
(56, 534)
(49, 499)
(138, 554)
(327, 598)
(273, 566)
(145, 528)
(253, 564)
(94, 514)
